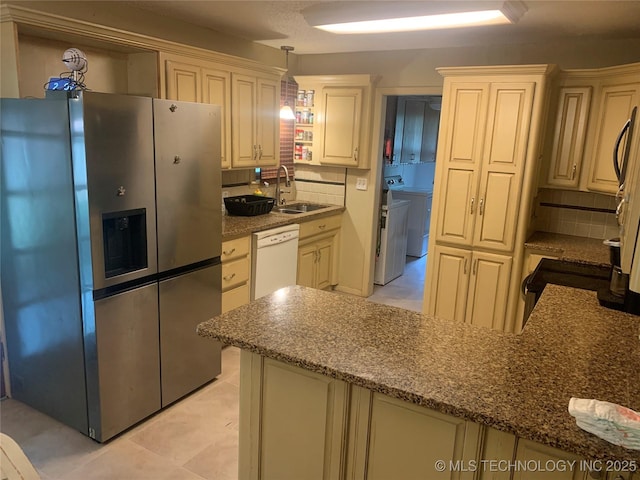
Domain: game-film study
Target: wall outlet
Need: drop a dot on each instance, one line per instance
(361, 183)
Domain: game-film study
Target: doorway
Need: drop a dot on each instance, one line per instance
(410, 122)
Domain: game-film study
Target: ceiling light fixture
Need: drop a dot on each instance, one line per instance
(440, 15)
(286, 113)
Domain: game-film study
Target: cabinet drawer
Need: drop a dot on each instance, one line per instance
(235, 297)
(232, 249)
(321, 225)
(235, 273)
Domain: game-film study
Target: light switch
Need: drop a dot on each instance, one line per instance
(361, 183)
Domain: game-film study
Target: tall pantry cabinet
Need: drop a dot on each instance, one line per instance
(486, 171)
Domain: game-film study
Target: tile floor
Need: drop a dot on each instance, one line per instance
(405, 291)
(195, 439)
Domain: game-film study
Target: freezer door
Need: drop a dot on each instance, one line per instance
(123, 362)
(188, 360)
(117, 143)
(188, 182)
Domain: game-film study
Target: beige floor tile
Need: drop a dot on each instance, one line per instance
(126, 460)
(192, 425)
(407, 290)
(219, 461)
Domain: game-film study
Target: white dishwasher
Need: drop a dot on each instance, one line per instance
(274, 258)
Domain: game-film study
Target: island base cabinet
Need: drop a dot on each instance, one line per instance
(298, 424)
(407, 441)
(292, 422)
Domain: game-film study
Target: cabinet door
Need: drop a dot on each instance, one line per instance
(528, 451)
(413, 124)
(300, 418)
(268, 122)
(184, 82)
(450, 283)
(340, 125)
(464, 134)
(569, 136)
(243, 131)
(406, 441)
(503, 158)
(616, 103)
(488, 290)
(216, 89)
(306, 265)
(324, 262)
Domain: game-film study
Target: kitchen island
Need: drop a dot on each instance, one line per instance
(368, 375)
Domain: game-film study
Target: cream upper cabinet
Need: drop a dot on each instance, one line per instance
(255, 127)
(184, 82)
(342, 119)
(249, 101)
(616, 103)
(589, 110)
(569, 135)
(484, 163)
(216, 89)
(465, 118)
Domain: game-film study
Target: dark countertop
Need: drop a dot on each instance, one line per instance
(236, 226)
(521, 384)
(570, 248)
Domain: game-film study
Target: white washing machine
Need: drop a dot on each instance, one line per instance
(419, 214)
(393, 242)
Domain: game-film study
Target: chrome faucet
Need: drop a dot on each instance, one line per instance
(287, 183)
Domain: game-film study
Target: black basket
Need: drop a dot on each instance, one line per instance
(249, 205)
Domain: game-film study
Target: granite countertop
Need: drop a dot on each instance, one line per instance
(571, 248)
(515, 383)
(237, 226)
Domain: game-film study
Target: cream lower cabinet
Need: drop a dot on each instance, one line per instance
(297, 424)
(236, 273)
(292, 422)
(318, 252)
(470, 286)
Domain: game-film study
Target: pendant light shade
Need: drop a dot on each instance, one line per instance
(286, 113)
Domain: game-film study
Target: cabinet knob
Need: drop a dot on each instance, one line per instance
(355, 154)
(473, 201)
(229, 252)
(573, 171)
(481, 206)
(229, 277)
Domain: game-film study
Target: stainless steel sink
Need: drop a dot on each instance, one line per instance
(295, 208)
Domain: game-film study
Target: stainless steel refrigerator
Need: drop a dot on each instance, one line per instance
(111, 239)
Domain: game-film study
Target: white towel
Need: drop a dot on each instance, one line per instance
(614, 423)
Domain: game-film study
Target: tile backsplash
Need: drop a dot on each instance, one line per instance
(324, 185)
(582, 214)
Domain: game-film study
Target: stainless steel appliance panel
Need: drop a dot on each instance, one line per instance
(118, 137)
(187, 149)
(125, 362)
(40, 281)
(188, 360)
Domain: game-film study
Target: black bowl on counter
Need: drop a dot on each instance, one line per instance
(249, 205)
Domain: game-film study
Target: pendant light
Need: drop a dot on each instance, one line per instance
(286, 113)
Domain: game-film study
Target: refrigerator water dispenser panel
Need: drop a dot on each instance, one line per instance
(125, 241)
